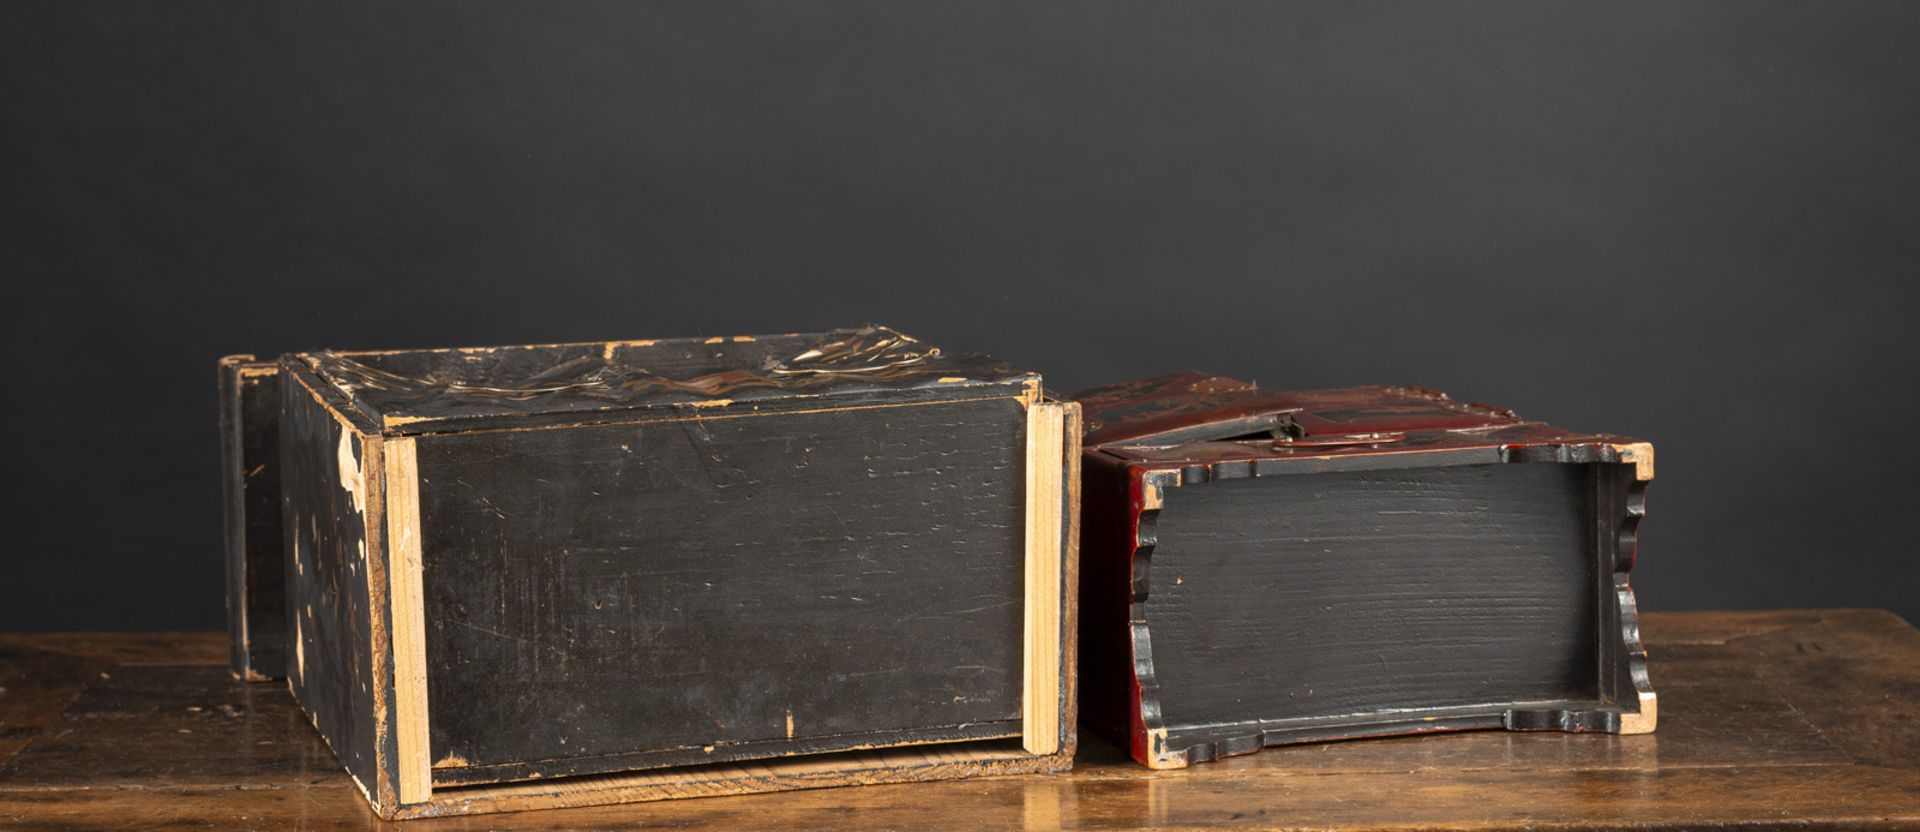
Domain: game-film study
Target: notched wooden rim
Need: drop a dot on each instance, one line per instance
(1149, 485)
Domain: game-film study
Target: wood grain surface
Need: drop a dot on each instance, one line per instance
(1430, 588)
(1805, 719)
(668, 569)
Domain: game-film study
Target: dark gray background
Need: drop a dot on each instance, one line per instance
(1696, 222)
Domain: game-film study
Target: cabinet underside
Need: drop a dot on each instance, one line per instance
(1316, 606)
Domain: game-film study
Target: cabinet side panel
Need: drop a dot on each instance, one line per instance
(328, 478)
(628, 596)
(1331, 595)
(250, 474)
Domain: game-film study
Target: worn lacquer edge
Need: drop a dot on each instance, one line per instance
(368, 504)
(1626, 545)
(1647, 717)
(376, 560)
(1069, 599)
(1147, 488)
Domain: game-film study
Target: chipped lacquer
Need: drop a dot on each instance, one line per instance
(1273, 567)
(563, 575)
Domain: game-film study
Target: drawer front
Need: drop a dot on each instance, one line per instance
(630, 596)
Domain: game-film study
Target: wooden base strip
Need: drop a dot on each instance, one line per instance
(901, 765)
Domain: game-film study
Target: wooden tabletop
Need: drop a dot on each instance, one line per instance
(1794, 718)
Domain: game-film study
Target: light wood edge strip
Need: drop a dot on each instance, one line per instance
(1040, 701)
(904, 765)
(414, 765)
(1646, 719)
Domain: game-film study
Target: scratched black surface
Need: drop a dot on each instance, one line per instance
(420, 391)
(1334, 594)
(329, 612)
(636, 593)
